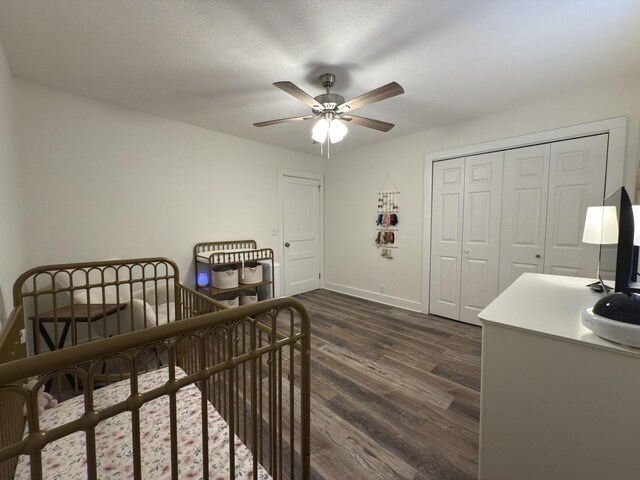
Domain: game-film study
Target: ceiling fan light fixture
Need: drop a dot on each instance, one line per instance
(337, 131)
(320, 130)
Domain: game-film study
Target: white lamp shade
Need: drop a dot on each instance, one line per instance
(320, 129)
(601, 226)
(636, 224)
(337, 131)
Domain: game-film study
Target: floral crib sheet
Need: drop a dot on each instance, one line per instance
(65, 459)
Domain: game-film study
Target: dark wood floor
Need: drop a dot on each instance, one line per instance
(394, 394)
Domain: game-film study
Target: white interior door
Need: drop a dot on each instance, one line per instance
(301, 230)
(576, 181)
(446, 237)
(524, 212)
(480, 234)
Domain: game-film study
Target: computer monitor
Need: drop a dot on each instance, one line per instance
(619, 261)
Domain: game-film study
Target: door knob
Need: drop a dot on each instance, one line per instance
(287, 244)
(466, 251)
(538, 256)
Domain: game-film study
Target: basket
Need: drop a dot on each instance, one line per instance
(224, 277)
(230, 299)
(251, 273)
(248, 297)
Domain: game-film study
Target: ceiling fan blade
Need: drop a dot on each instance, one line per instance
(369, 122)
(297, 92)
(381, 93)
(282, 120)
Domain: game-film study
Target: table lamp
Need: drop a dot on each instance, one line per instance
(601, 228)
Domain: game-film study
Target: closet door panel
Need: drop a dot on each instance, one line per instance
(479, 214)
(449, 277)
(524, 212)
(576, 181)
(476, 292)
(446, 237)
(480, 233)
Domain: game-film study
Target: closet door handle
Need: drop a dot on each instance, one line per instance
(466, 251)
(287, 244)
(538, 256)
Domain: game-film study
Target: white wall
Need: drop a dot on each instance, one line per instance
(103, 181)
(11, 245)
(353, 178)
(100, 181)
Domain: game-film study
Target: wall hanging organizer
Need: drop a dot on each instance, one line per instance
(387, 218)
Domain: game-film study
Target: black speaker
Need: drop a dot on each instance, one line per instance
(619, 306)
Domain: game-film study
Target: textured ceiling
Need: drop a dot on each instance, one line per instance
(211, 63)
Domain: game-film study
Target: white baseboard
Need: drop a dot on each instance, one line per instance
(375, 297)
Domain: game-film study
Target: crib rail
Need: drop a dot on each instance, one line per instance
(251, 363)
(228, 245)
(11, 419)
(64, 305)
(240, 256)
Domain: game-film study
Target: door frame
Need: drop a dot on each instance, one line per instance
(319, 177)
(614, 174)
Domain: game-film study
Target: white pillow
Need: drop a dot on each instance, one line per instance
(82, 277)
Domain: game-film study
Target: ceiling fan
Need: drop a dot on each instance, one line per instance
(331, 110)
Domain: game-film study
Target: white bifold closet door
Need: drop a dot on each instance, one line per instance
(480, 234)
(524, 212)
(576, 181)
(465, 246)
(498, 215)
(547, 189)
(446, 237)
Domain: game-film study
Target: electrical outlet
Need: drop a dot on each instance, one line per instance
(381, 288)
(23, 338)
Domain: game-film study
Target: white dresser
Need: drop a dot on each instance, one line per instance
(557, 402)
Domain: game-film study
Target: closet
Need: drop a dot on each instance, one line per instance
(497, 215)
